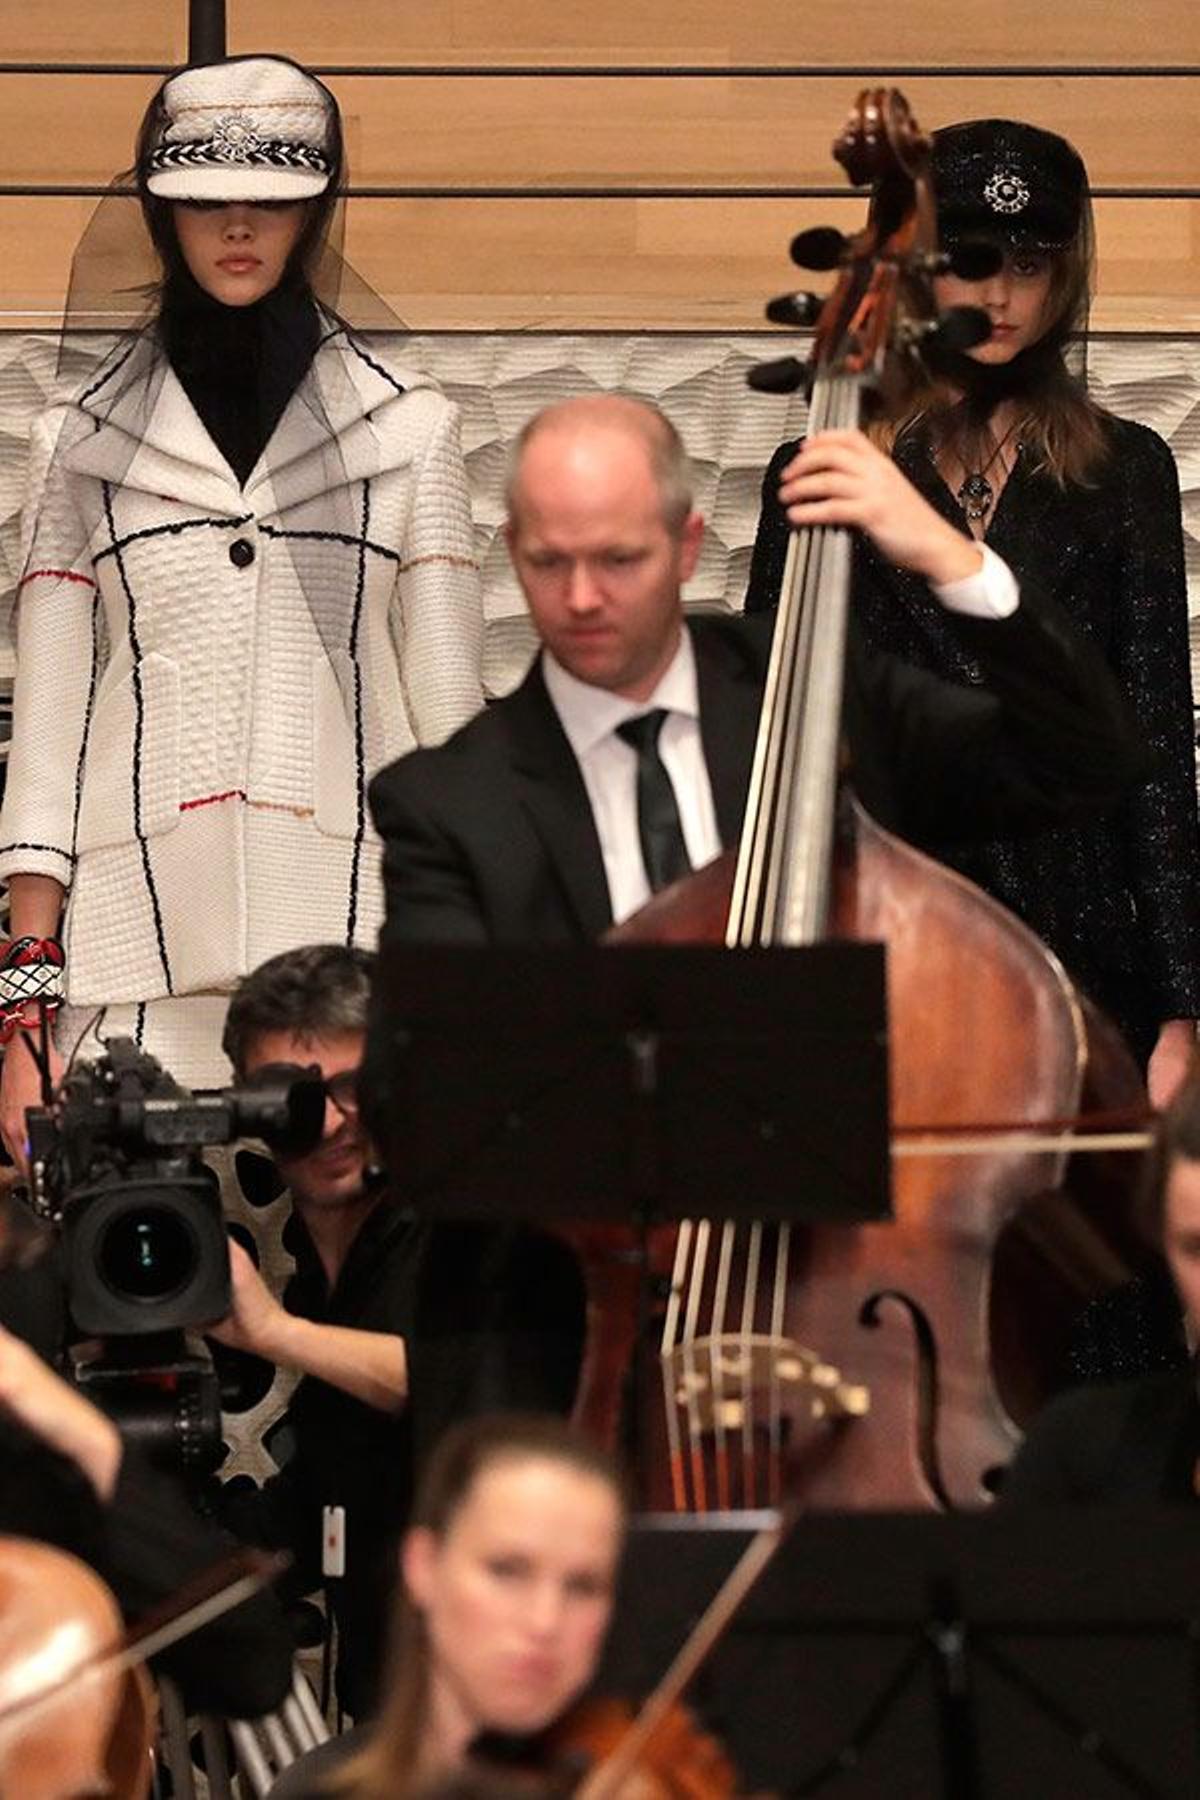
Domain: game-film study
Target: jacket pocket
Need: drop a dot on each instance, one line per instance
(131, 770)
(336, 773)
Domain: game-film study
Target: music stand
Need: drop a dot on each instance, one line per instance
(637, 1083)
(989, 1656)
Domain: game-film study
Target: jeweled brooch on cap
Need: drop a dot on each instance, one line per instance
(1005, 192)
(234, 139)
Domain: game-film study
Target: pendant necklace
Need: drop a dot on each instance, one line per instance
(976, 494)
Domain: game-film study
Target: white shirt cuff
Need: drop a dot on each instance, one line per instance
(991, 594)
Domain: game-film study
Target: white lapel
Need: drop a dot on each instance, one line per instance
(146, 434)
(155, 442)
(343, 399)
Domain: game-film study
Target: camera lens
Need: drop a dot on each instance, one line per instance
(147, 1253)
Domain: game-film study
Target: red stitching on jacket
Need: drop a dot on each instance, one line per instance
(57, 575)
(212, 799)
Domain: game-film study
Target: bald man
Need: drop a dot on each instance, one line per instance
(524, 827)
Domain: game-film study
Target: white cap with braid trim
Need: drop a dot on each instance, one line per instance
(251, 128)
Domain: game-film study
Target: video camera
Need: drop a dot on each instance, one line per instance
(115, 1165)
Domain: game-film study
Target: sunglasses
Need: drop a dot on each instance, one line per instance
(342, 1089)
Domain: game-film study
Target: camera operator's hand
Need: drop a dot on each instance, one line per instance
(57, 1413)
(255, 1322)
(21, 1087)
(371, 1365)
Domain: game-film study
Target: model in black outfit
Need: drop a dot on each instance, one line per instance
(1116, 896)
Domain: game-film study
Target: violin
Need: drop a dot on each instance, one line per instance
(73, 1720)
(78, 1714)
(604, 1749)
(678, 1760)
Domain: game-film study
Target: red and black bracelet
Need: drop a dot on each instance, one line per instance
(31, 983)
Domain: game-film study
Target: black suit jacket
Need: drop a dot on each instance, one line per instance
(1137, 1440)
(490, 838)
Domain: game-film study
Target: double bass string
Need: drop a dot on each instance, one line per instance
(804, 881)
(796, 752)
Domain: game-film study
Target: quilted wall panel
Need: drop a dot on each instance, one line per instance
(500, 380)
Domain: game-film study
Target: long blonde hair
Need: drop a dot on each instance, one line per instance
(390, 1765)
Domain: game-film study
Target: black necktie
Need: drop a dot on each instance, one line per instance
(663, 849)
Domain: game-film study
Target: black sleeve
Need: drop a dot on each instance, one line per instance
(771, 538)
(145, 1543)
(1047, 737)
(429, 890)
(1153, 663)
(1126, 1444)
(1041, 1473)
(46, 1497)
(33, 1304)
(430, 897)
(240, 1664)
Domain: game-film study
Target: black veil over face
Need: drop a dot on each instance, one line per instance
(136, 321)
(129, 250)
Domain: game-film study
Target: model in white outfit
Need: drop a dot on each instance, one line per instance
(209, 669)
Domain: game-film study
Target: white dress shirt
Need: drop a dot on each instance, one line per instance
(590, 716)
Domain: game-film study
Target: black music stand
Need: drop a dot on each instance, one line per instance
(1020, 1653)
(638, 1084)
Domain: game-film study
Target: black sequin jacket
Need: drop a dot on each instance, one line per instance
(1117, 898)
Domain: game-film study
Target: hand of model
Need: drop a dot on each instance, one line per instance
(255, 1320)
(21, 1087)
(841, 478)
(57, 1413)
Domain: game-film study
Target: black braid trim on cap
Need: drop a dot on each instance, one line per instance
(210, 153)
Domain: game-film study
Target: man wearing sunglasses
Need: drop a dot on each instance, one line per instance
(396, 1327)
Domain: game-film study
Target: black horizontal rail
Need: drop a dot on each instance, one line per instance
(684, 71)
(767, 333)
(86, 190)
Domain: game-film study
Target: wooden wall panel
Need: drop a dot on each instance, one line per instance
(680, 252)
(759, 33)
(620, 264)
(93, 31)
(705, 132)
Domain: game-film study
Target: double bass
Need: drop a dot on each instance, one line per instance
(892, 1363)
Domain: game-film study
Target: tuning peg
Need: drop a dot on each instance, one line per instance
(821, 248)
(961, 328)
(794, 309)
(781, 377)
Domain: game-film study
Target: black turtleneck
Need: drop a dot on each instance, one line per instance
(239, 365)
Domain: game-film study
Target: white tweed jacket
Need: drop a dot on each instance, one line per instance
(206, 684)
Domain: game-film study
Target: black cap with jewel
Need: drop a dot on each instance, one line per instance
(999, 179)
